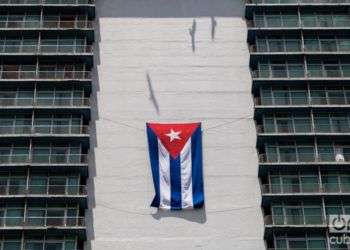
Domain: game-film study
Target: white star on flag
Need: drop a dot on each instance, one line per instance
(174, 135)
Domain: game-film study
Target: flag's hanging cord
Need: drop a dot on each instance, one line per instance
(233, 120)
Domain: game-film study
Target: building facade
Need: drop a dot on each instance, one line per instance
(45, 83)
(267, 79)
(299, 59)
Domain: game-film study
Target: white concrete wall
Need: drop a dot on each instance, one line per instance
(211, 85)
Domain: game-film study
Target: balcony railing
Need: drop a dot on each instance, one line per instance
(302, 101)
(48, 2)
(45, 49)
(305, 158)
(299, 49)
(305, 188)
(301, 128)
(74, 24)
(42, 222)
(45, 75)
(294, 24)
(42, 129)
(59, 190)
(297, 1)
(44, 159)
(272, 74)
(39, 101)
(285, 220)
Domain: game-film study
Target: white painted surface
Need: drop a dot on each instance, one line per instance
(211, 85)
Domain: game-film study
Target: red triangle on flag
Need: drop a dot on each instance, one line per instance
(174, 136)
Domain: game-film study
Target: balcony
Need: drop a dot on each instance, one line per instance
(33, 25)
(26, 130)
(302, 101)
(43, 190)
(45, 49)
(297, 2)
(44, 159)
(44, 102)
(298, 49)
(305, 158)
(301, 74)
(295, 220)
(47, 2)
(41, 222)
(304, 189)
(45, 75)
(301, 128)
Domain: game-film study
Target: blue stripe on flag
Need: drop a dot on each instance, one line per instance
(153, 154)
(175, 182)
(197, 169)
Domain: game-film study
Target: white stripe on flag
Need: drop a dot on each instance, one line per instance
(164, 176)
(186, 175)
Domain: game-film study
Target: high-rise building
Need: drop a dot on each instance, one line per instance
(45, 83)
(300, 64)
(268, 79)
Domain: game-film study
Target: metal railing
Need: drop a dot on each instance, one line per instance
(306, 220)
(45, 49)
(44, 159)
(74, 24)
(305, 188)
(48, 75)
(271, 74)
(296, 24)
(298, 49)
(39, 101)
(48, 2)
(43, 129)
(304, 158)
(60, 190)
(295, 101)
(42, 222)
(296, 1)
(301, 128)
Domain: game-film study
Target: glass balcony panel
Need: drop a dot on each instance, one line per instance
(38, 185)
(294, 216)
(296, 71)
(306, 154)
(322, 124)
(276, 45)
(20, 155)
(259, 21)
(314, 71)
(312, 45)
(57, 186)
(344, 44)
(271, 154)
(317, 244)
(345, 70)
(328, 45)
(341, 20)
(261, 45)
(275, 186)
(326, 154)
(284, 126)
(73, 186)
(278, 218)
(33, 245)
(281, 97)
(309, 20)
(45, 98)
(12, 245)
(53, 246)
(287, 155)
(14, 217)
(35, 217)
(293, 45)
(332, 71)
(41, 155)
(290, 20)
(279, 71)
(290, 185)
(313, 216)
(17, 186)
(269, 125)
(299, 97)
(324, 21)
(340, 125)
(25, 98)
(330, 184)
(346, 154)
(309, 184)
(345, 184)
(55, 218)
(302, 125)
(273, 20)
(318, 97)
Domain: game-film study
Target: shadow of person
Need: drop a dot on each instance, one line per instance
(198, 215)
(192, 32)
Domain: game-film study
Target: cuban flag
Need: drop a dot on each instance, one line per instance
(176, 160)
